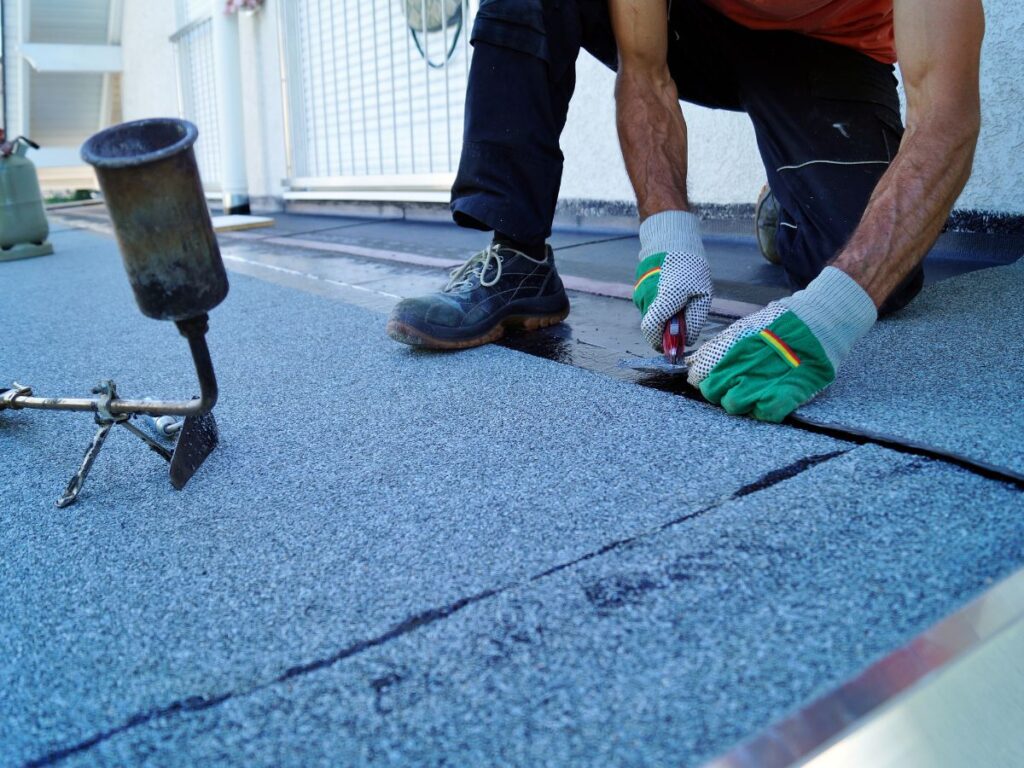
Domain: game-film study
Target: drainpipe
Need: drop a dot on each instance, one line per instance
(6, 58)
(227, 66)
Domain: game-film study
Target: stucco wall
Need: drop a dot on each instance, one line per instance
(150, 83)
(998, 181)
(725, 166)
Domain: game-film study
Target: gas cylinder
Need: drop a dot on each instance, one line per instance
(22, 217)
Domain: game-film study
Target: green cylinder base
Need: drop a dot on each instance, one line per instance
(26, 251)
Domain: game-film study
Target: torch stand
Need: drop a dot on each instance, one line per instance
(197, 436)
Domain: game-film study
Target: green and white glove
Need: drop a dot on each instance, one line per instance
(673, 274)
(770, 363)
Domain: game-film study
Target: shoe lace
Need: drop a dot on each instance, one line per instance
(477, 267)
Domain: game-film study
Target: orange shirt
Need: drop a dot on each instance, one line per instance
(865, 25)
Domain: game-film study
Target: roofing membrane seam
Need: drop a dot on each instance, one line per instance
(202, 701)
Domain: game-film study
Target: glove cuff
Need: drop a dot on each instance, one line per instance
(836, 309)
(670, 231)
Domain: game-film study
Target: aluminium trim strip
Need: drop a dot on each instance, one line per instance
(844, 710)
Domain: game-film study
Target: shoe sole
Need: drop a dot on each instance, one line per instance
(407, 334)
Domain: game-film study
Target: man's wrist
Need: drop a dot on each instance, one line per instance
(677, 231)
(836, 309)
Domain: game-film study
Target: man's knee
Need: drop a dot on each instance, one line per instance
(821, 203)
(515, 24)
(550, 31)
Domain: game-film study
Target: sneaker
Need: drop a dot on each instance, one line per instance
(766, 224)
(497, 289)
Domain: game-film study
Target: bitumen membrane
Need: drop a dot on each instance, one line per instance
(947, 371)
(404, 558)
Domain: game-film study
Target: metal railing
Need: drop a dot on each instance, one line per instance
(375, 95)
(197, 91)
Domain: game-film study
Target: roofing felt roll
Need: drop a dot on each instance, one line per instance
(408, 558)
(947, 371)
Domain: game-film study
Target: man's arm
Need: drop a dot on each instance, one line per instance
(651, 128)
(938, 43)
(673, 276)
(772, 362)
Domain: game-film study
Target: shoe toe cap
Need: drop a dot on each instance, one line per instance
(435, 309)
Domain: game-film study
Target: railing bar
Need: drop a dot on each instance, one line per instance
(447, 93)
(337, 101)
(394, 84)
(408, 91)
(323, 58)
(362, 99)
(209, 89)
(348, 91)
(197, 22)
(426, 78)
(309, 47)
(376, 79)
(311, 95)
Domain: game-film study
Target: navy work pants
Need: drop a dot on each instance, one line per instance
(826, 118)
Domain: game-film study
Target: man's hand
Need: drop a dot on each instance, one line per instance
(672, 276)
(770, 363)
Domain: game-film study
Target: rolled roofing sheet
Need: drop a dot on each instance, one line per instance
(397, 557)
(947, 371)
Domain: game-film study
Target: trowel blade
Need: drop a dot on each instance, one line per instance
(654, 365)
(197, 440)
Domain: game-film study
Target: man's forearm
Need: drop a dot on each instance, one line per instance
(909, 207)
(653, 139)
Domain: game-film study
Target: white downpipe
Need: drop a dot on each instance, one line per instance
(227, 65)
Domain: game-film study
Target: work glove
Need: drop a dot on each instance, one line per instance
(673, 275)
(770, 363)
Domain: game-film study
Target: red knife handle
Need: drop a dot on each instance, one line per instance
(673, 340)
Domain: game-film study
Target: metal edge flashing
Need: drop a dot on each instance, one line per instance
(853, 705)
(591, 215)
(389, 182)
(617, 214)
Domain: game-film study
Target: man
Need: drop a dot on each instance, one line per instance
(860, 201)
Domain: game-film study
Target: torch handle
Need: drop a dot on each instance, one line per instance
(194, 330)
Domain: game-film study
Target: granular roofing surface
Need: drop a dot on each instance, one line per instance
(948, 371)
(400, 558)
